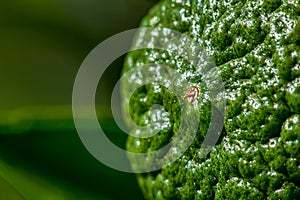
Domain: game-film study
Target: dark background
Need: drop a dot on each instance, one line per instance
(42, 45)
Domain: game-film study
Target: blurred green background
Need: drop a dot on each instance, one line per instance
(42, 46)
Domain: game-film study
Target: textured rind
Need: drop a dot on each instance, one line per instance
(256, 46)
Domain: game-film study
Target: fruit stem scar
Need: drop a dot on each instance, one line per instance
(192, 94)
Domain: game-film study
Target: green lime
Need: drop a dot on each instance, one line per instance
(256, 47)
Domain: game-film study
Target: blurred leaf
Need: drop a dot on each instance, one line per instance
(16, 183)
(10, 192)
